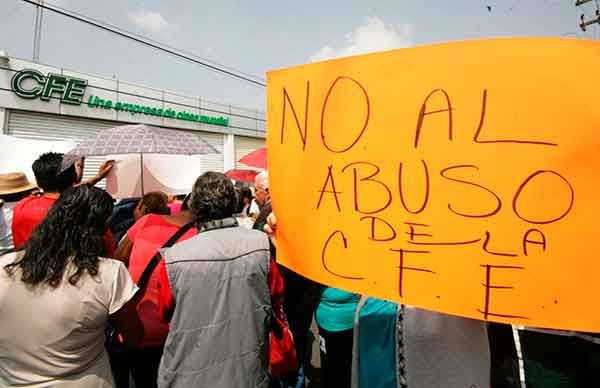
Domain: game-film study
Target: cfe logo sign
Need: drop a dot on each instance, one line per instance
(32, 84)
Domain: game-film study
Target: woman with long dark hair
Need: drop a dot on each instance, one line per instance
(57, 294)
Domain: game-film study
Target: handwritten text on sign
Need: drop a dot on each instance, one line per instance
(461, 178)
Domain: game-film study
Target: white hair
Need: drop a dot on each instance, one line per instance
(262, 179)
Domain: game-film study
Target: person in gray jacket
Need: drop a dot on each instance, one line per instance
(222, 285)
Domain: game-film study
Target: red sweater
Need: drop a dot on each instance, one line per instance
(29, 213)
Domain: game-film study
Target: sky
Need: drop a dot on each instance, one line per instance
(256, 36)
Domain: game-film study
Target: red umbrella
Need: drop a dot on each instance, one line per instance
(242, 175)
(256, 158)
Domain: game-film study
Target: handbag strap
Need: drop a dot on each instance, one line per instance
(156, 258)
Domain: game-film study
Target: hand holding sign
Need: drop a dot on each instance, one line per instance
(271, 228)
(461, 178)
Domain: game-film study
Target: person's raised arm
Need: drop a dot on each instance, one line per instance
(270, 228)
(102, 173)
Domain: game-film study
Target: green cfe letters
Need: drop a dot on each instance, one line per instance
(71, 89)
(30, 84)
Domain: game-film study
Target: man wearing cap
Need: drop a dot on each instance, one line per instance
(13, 187)
(54, 173)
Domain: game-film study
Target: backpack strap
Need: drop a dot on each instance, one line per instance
(157, 257)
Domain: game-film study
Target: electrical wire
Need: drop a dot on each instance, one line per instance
(160, 43)
(147, 42)
(597, 19)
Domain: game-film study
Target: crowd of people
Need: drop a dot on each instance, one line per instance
(182, 291)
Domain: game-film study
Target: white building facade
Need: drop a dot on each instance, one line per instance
(50, 103)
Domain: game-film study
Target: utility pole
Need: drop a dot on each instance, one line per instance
(585, 23)
(37, 33)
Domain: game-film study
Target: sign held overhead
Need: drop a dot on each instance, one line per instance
(460, 178)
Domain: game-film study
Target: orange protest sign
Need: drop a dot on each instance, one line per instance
(459, 177)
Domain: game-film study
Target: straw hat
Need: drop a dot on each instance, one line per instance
(14, 182)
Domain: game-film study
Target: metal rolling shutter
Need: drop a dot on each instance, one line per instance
(245, 145)
(43, 126)
(212, 162)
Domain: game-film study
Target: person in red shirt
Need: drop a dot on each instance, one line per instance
(137, 248)
(53, 177)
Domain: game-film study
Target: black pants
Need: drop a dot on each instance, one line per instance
(504, 359)
(555, 361)
(336, 358)
(300, 301)
(141, 363)
(119, 369)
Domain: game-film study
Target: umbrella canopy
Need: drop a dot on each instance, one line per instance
(139, 139)
(142, 139)
(242, 175)
(256, 158)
